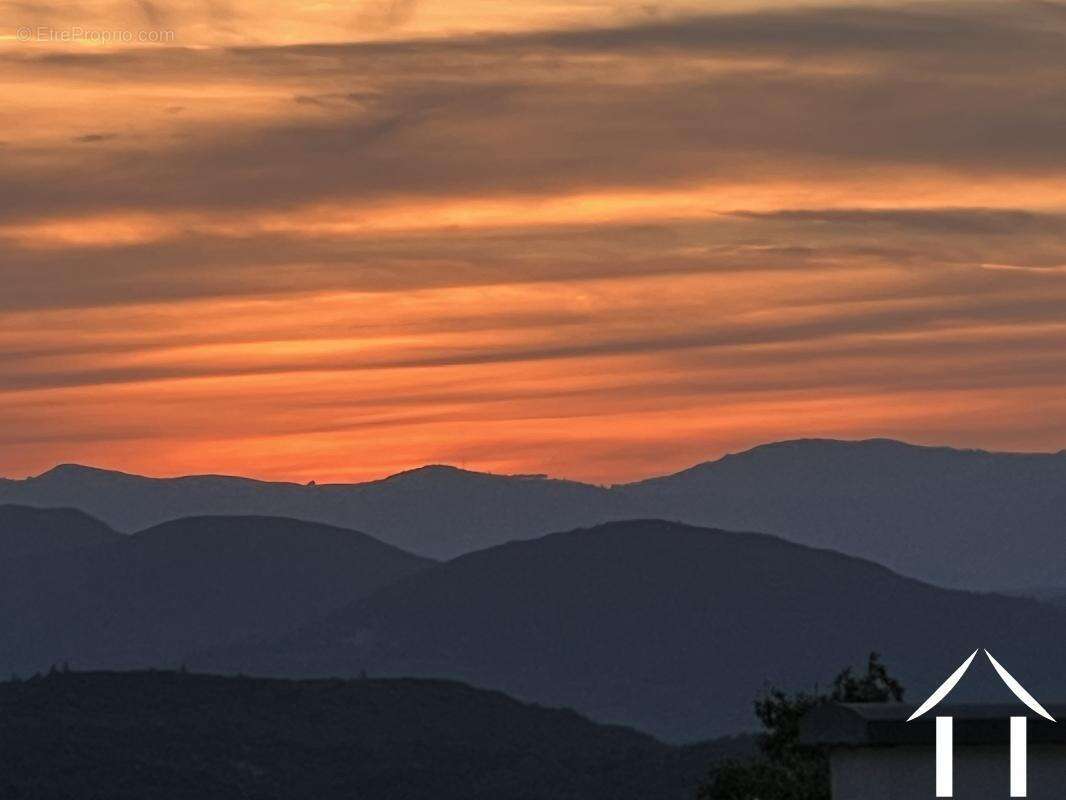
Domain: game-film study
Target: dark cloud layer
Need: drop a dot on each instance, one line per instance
(976, 88)
(201, 266)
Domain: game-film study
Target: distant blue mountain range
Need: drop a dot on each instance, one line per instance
(960, 518)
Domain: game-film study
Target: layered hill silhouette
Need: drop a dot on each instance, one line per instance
(27, 531)
(129, 736)
(961, 518)
(669, 628)
(914, 509)
(149, 598)
(436, 511)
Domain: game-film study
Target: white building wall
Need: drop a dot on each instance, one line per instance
(909, 773)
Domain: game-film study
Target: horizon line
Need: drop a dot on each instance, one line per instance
(539, 475)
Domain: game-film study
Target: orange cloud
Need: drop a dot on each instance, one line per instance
(315, 244)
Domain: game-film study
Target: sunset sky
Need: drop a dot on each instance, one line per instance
(601, 240)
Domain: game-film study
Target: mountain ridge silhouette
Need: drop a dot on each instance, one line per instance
(910, 507)
(666, 627)
(148, 598)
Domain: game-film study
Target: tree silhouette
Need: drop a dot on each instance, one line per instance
(785, 769)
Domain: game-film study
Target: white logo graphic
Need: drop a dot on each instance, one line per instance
(944, 728)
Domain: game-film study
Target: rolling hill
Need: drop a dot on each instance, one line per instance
(435, 511)
(962, 518)
(147, 599)
(170, 736)
(914, 509)
(669, 628)
(27, 531)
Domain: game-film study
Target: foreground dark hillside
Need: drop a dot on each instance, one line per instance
(963, 518)
(150, 598)
(171, 736)
(670, 628)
